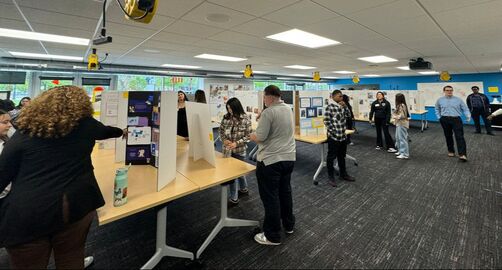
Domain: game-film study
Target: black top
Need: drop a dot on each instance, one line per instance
(42, 171)
(182, 123)
(484, 99)
(381, 110)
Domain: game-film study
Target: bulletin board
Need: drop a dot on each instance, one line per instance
(431, 92)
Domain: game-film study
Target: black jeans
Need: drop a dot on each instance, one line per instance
(274, 183)
(454, 125)
(476, 113)
(336, 150)
(381, 123)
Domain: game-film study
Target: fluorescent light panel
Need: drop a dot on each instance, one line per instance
(344, 72)
(329, 77)
(299, 67)
(404, 68)
(302, 38)
(299, 75)
(4, 32)
(256, 72)
(180, 66)
(378, 59)
(429, 72)
(220, 57)
(46, 56)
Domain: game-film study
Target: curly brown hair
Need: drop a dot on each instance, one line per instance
(55, 113)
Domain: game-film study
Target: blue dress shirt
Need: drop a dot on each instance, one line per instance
(451, 106)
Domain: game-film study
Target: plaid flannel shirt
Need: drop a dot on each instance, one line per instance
(335, 120)
(235, 130)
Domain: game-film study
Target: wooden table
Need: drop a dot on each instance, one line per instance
(321, 140)
(191, 177)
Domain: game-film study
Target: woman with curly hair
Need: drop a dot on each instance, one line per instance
(54, 192)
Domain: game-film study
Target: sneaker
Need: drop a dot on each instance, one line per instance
(233, 202)
(463, 158)
(397, 154)
(402, 157)
(244, 191)
(261, 239)
(348, 178)
(289, 232)
(451, 154)
(392, 150)
(378, 148)
(333, 183)
(477, 132)
(351, 143)
(88, 261)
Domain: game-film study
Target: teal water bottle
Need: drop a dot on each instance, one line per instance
(120, 187)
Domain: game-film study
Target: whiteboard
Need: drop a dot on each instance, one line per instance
(431, 92)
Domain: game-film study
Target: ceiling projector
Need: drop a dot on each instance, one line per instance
(419, 64)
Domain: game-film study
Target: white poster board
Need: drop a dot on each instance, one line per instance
(120, 145)
(431, 92)
(109, 114)
(249, 101)
(201, 144)
(167, 143)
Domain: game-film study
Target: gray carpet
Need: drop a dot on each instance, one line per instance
(427, 212)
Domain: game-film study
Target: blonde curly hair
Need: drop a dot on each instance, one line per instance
(55, 113)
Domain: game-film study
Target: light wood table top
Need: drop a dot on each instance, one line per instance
(419, 112)
(318, 139)
(203, 174)
(142, 187)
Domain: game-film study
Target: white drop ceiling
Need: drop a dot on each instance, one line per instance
(460, 36)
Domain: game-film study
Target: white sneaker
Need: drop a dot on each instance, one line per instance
(392, 150)
(351, 143)
(402, 157)
(88, 261)
(261, 239)
(378, 148)
(397, 153)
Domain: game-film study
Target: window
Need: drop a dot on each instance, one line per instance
(260, 85)
(139, 83)
(17, 91)
(185, 84)
(47, 83)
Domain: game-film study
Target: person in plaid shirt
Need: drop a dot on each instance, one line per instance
(234, 133)
(335, 120)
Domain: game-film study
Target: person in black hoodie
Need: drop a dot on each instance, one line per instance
(380, 108)
(54, 191)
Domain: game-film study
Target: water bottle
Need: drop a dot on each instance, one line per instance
(120, 187)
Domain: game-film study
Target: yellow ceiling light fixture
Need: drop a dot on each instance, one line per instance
(355, 79)
(139, 10)
(248, 72)
(92, 60)
(317, 76)
(444, 76)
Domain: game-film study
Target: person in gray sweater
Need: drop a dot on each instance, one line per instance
(275, 162)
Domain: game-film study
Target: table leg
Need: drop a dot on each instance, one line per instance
(321, 165)
(164, 250)
(423, 123)
(352, 158)
(224, 221)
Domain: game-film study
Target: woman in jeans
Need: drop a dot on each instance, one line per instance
(402, 122)
(54, 191)
(234, 133)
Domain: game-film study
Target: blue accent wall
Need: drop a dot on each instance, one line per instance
(410, 83)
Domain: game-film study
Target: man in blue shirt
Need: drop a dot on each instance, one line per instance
(448, 110)
(479, 106)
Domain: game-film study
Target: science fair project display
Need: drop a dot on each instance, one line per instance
(201, 144)
(151, 118)
(311, 112)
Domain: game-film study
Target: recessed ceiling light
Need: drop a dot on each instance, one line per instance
(79, 67)
(302, 38)
(33, 65)
(371, 75)
(217, 18)
(378, 59)
(329, 77)
(219, 57)
(404, 68)
(180, 66)
(344, 72)
(42, 37)
(299, 67)
(151, 51)
(428, 72)
(256, 71)
(298, 75)
(46, 56)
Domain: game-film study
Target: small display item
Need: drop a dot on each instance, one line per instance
(311, 112)
(317, 102)
(305, 103)
(139, 135)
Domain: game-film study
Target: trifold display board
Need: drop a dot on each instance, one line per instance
(431, 92)
(201, 144)
(109, 108)
(311, 106)
(250, 103)
(151, 138)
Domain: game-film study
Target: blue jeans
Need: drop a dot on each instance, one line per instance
(233, 187)
(402, 141)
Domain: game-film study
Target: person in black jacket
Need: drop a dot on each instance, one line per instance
(350, 120)
(479, 105)
(380, 108)
(54, 192)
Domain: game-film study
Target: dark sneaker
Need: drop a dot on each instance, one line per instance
(243, 192)
(333, 183)
(348, 178)
(289, 232)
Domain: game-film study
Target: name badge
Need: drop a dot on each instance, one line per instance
(377, 105)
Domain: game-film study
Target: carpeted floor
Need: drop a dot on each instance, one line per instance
(427, 212)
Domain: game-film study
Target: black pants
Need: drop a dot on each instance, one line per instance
(476, 113)
(381, 123)
(454, 125)
(336, 150)
(274, 183)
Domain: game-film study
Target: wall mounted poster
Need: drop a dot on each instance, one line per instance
(317, 102)
(305, 103)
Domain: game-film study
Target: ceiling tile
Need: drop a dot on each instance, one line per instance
(300, 14)
(350, 6)
(260, 28)
(193, 29)
(255, 7)
(176, 8)
(435, 6)
(199, 14)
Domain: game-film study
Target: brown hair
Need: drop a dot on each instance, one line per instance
(55, 113)
(272, 90)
